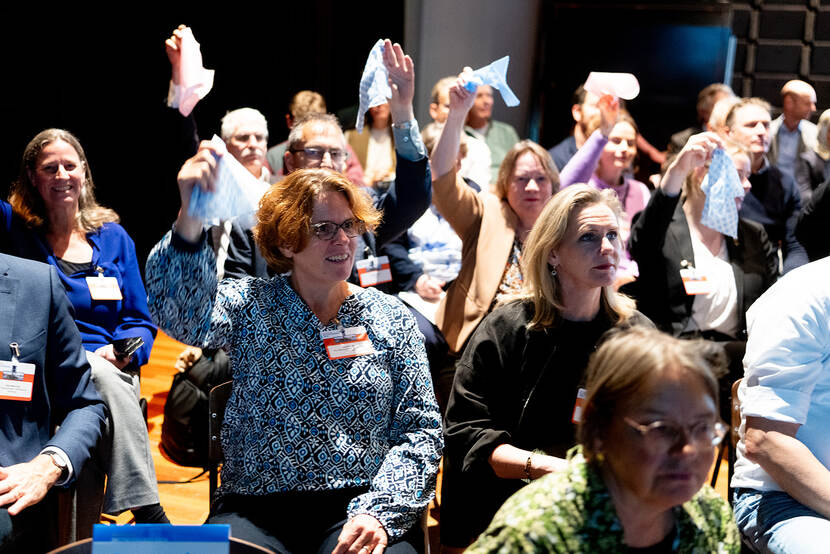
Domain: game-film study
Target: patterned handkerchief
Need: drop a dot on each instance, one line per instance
(237, 192)
(494, 75)
(722, 186)
(374, 84)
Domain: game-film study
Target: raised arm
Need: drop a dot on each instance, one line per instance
(409, 196)
(583, 164)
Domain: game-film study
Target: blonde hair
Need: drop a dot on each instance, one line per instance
(823, 126)
(547, 235)
(508, 165)
(27, 202)
(626, 361)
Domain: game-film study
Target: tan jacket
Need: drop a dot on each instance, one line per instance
(486, 226)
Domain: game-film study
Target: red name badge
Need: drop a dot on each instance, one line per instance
(347, 343)
(579, 405)
(373, 271)
(16, 380)
(695, 281)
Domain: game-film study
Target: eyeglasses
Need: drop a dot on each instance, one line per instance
(665, 435)
(326, 230)
(315, 154)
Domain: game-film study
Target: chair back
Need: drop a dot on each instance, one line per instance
(217, 401)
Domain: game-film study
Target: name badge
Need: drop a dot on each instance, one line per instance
(104, 288)
(579, 405)
(16, 380)
(347, 343)
(695, 282)
(374, 271)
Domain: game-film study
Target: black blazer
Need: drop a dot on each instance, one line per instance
(660, 241)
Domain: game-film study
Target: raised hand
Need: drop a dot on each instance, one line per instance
(401, 81)
(173, 47)
(197, 171)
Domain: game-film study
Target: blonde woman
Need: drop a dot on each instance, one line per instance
(517, 386)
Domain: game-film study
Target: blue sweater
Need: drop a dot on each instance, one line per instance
(99, 321)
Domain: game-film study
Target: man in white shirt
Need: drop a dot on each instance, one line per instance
(782, 480)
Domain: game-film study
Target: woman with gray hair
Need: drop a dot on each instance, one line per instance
(519, 384)
(647, 437)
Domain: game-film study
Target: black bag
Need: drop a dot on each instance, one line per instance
(184, 432)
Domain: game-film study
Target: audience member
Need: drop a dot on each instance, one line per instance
(317, 141)
(500, 137)
(475, 165)
(52, 216)
(492, 227)
(303, 103)
(706, 100)
(510, 412)
(34, 457)
(781, 475)
(794, 139)
(349, 406)
(696, 282)
(822, 144)
(606, 161)
(717, 121)
(375, 147)
(583, 110)
(774, 200)
(635, 483)
(813, 229)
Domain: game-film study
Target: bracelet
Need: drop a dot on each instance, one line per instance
(527, 466)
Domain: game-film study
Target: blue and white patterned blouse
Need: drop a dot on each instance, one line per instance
(296, 420)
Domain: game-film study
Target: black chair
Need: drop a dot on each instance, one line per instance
(217, 400)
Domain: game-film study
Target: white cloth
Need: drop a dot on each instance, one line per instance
(435, 246)
(718, 309)
(787, 365)
(374, 84)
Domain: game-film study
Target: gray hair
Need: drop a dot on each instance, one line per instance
(236, 118)
(295, 137)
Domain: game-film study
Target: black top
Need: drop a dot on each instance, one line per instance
(512, 386)
(813, 230)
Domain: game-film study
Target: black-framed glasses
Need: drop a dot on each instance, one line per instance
(316, 154)
(326, 230)
(665, 435)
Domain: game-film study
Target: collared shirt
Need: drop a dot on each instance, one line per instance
(297, 420)
(788, 149)
(787, 366)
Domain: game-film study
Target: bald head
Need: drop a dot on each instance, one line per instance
(798, 101)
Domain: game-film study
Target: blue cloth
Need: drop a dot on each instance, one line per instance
(495, 75)
(296, 420)
(99, 321)
(774, 522)
(374, 84)
(35, 313)
(722, 186)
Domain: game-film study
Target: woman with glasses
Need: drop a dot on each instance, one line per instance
(332, 434)
(517, 386)
(647, 436)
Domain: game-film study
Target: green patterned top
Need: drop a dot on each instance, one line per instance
(572, 511)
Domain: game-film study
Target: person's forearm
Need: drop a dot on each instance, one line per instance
(793, 467)
(188, 228)
(446, 151)
(509, 462)
(672, 182)
(401, 113)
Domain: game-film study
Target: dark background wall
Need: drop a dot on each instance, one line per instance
(107, 83)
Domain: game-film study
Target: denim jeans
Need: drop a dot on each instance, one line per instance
(773, 521)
